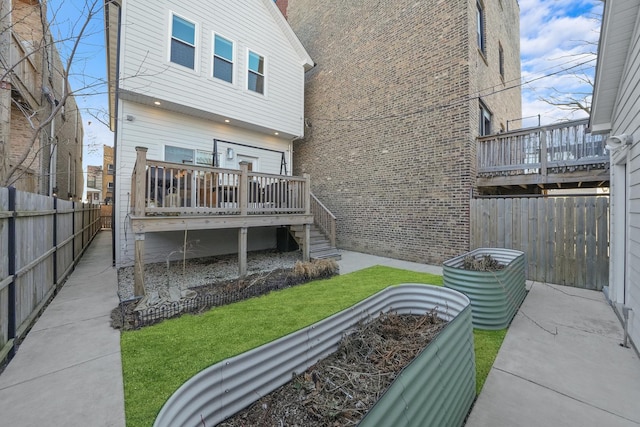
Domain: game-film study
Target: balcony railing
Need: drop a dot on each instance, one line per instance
(560, 148)
(173, 189)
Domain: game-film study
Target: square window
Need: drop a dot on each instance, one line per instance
(223, 59)
(256, 73)
(183, 42)
(178, 155)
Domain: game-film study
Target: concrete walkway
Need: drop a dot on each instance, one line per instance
(561, 364)
(68, 372)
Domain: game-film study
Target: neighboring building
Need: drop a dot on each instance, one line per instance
(615, 110)
(200, 83)
(108, 174)
(37, 83)
(393, 108)
(94, 185)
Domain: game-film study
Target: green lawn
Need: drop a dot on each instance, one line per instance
(157, 360)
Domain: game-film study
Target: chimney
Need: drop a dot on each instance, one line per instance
(282, 5)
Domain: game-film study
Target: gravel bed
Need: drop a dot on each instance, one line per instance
(202, 271)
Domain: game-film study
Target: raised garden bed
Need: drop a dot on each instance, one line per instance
(437, 388)
(495, 295)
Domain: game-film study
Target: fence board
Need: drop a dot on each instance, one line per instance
(37, 256)
(565, 239)
(4, 267)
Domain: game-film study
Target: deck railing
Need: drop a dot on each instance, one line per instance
(560, 148)
(164, 188)
(324, 219)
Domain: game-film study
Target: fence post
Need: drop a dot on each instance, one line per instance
(11, 300)
(73, 231)
(55, 243)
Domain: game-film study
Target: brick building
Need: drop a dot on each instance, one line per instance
(399, 93)
(108, 172)
(94, 185)
(42, 157)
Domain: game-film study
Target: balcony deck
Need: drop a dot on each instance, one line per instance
(530, 160)
(174, 197)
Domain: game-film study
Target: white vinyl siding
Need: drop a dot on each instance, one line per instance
(625, 202)
(144, 56)
(156, 129)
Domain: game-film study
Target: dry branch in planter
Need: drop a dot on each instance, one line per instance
(340, 389)
(481, 263)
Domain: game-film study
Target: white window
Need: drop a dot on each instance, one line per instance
(255, 73)
(183, 42)
(110, 185)
(222, 58)
(188, 156)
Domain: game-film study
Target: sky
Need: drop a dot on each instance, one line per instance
(555, 35)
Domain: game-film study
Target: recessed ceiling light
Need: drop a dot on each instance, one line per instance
(276, 133)
(157, 102)
(227, 120)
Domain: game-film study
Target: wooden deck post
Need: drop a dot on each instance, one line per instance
(243, 188)
(307, 193)
(543, 152)
(307, 242)
(139, 199)
(242, 252)
(138, 267)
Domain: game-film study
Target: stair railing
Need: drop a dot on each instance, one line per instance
(324, 219)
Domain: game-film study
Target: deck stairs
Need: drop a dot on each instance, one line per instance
(320, 247)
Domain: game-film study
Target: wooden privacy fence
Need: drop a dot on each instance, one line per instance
(41, 240)
(565, 239)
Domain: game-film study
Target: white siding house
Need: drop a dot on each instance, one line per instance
(186, 78)
(615, 109)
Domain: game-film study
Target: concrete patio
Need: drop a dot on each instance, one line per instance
(561, 363)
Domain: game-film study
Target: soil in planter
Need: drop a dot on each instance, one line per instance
(481, 263)
(340, 389)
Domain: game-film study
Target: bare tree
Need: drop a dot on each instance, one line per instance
(34, 83)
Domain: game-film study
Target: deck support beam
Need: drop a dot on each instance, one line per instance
(307, 243)
(138, 268)
(242, 251)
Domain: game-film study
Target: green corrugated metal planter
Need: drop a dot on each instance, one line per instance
(495, 295)
(436, 389)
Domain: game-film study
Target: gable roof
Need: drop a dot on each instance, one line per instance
(112, 27)
(619, 21)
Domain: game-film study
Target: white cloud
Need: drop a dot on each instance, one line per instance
(558, 39)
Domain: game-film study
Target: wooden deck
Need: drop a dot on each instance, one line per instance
(530, 160)
(171, 197)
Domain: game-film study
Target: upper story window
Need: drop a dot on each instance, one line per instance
(255, 73)
(223, 59)
(485, 120)
(501, 60)
(183, 42)
(481, 29)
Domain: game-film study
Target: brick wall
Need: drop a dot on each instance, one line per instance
(393, 120)
(107, 177)
(29, 77)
